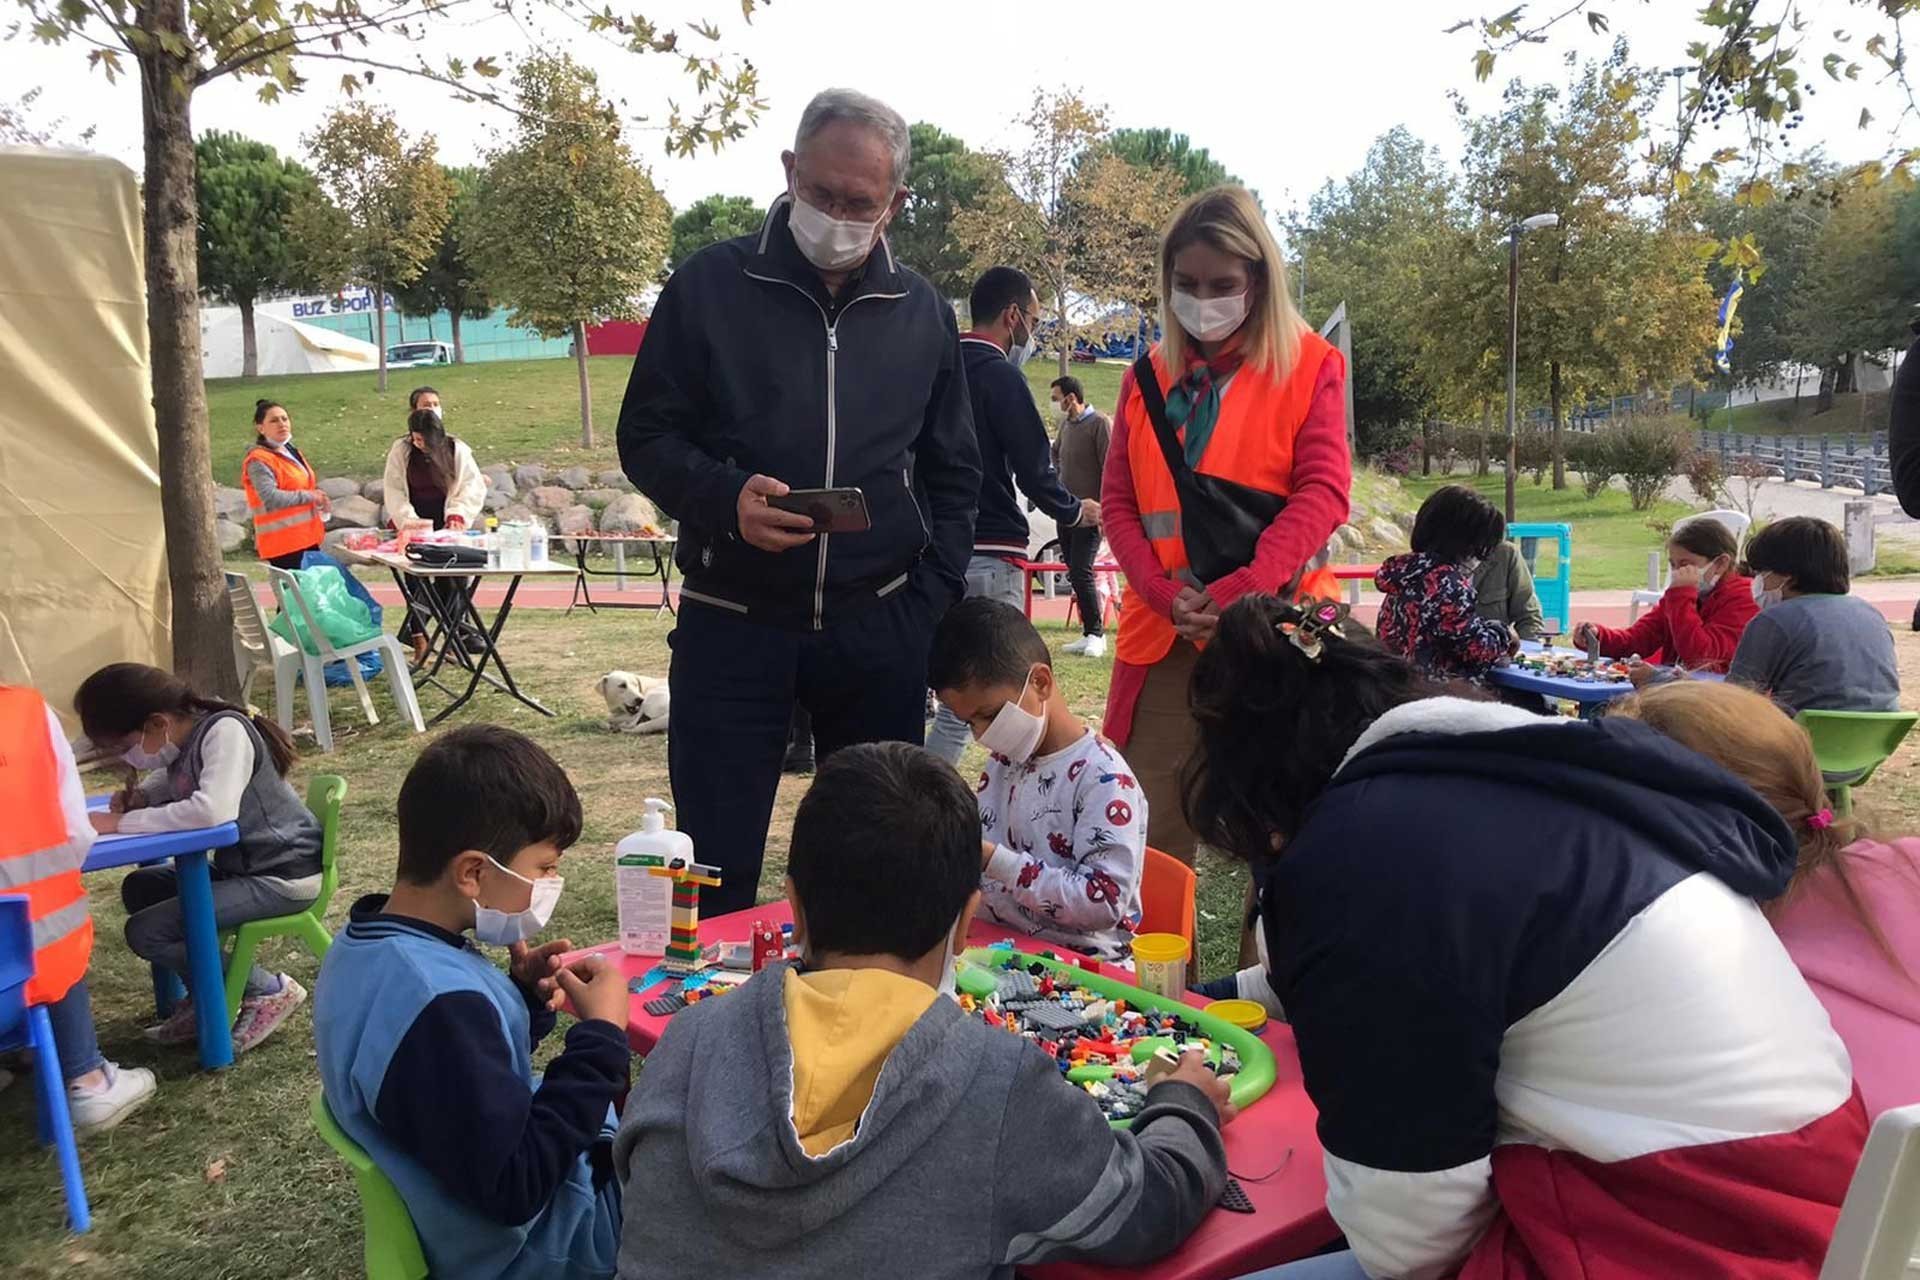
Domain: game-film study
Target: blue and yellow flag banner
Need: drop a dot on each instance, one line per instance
(1723, 348)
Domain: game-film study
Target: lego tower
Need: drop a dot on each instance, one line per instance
(683, 942)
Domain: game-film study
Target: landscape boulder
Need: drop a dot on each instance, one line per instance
(551, 498)
(615, 480)
(229, 535)
(576, 477)
(599, 497)
(374, 491)
(340, 487)
(629, 513)
(231, 503)
(354, 513)
(530, 475)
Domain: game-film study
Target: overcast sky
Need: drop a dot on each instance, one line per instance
(1286, 94)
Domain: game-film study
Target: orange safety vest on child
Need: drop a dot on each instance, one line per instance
(36, 857)
(283, 531)
(1252, 444)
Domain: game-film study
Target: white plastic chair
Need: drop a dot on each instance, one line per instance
(286, 590)
(255, 646)
(1658, 572)
(1880, 1220)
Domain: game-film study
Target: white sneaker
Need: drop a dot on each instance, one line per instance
(1076, 647)
(1096, 647)
(97, 1110)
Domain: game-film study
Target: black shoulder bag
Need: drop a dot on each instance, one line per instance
(1220, 521)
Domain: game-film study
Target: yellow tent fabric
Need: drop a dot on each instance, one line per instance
(83, 566)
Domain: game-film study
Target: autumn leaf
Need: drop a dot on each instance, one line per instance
(215, 1172)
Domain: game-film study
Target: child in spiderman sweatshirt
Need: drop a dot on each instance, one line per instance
(1063, 823)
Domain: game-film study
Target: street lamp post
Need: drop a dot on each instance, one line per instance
(1537, 222)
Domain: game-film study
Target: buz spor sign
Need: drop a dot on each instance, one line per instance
(342, 303)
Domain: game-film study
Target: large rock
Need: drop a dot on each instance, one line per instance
(229, 535)
(551, 498)
(374, 491)
(576, 477)
(1348, 538)
(600, 497)
(500, 481)
(614, 480)
(519, 511)
(231, 503)
(575, 519)
(498, 500)
(629, 513)
(530, 475)
(354, 513)
(1384, 532)
(340, 487)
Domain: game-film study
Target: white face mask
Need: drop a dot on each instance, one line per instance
(1210, 319)
(950, 963)
(1764, 596)
(504, 928)
(1015, 731)
(829, 243)
(140, 758)
(1021, 352)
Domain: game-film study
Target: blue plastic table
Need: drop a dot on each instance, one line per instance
(206, 979)
(1588, 695)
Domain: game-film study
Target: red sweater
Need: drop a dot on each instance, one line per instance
(1687, 629)
(1322, 481)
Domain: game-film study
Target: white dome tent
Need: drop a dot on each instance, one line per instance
(284, 346)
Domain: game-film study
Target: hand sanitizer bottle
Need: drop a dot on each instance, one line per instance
(645, 900)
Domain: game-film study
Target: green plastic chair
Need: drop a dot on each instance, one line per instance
(392, 1246)
(324, 795)
(1850, 745)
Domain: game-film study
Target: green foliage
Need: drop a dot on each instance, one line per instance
(709, 220)
(449, 281)
(943, 177)
(1645, 452)
(570, 227)
(1165, 149)
(247, 191)
(386, 201)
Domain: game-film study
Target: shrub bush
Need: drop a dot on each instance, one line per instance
(1533, 451)
(1647, 453)
(1705, 477)
(1587, 453)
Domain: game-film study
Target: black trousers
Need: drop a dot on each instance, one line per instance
(1080, 546)
(292, 559)
(735, 683)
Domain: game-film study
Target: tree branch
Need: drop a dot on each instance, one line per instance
(289, 37)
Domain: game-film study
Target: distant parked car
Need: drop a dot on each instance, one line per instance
(412, 355)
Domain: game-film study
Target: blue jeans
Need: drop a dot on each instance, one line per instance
(1328, 1266)
(994, 578)
(73, 1035)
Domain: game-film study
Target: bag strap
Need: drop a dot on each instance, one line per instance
(1148, 383)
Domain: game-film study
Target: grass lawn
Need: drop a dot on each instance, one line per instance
(221, 1175)
(1857, 413)
(1610, 538)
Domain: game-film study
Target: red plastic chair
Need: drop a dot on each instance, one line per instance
(1167, 887)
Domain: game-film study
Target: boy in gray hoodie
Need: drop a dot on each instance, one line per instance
(840, 1118)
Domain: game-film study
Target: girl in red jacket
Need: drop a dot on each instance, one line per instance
(1698, 622)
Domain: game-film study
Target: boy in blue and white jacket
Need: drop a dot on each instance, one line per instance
(425, 1045)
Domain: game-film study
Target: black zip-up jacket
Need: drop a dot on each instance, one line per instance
(1014, 450)
(749, 367)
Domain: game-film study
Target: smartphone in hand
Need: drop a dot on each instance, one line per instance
(831, 510)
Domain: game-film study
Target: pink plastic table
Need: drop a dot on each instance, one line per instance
(1288, 1191)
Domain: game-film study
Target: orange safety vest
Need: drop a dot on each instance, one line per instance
(286, 530)
(1252, 444)
(36, 855)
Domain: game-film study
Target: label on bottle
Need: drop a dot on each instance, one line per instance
(645, 903)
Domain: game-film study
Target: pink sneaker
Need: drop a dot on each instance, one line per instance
(179, 1028)
(261, 1016)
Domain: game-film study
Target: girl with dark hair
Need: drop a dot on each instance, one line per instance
(1850, 917)
(283, 494)
(1535, 1007)
(208, 763)
(1429, 615)
(431, 475)
(1701, 617)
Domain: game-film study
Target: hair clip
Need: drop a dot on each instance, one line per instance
(1317, 619)
(1820, 821)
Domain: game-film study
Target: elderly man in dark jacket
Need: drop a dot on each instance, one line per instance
(802, 356)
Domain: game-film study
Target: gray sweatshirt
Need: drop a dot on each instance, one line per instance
(1825, 653)
(972, 1157)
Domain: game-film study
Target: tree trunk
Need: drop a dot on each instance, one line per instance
(1844, 381)
(1559, 444)
(202, 618)
(459, 348)
(249, 346)
(1060, 330)
(586, 387)
(1426, 446)
(380, 328)
(400, 325)
(1823, 400)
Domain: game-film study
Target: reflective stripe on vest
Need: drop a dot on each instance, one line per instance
(1251, 444)
(37, 855)
(282, 530)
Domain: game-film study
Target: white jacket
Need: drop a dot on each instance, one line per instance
(466, 497)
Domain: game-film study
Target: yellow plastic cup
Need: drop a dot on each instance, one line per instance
(1250, 1015)
(1160, 961)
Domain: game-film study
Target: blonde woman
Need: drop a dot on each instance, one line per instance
(1227, 474)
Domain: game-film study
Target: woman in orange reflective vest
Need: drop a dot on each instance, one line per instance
(1255, 401)
(283, 493)
(43, 842)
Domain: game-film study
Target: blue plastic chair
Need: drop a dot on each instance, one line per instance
(1555, 593)
(27, 1026)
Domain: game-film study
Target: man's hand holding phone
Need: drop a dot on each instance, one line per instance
(768, 527)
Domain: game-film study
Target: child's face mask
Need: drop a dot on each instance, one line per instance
(504, 928)
(1015, 731)
(142, 759)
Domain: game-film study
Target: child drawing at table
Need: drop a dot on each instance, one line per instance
(425, 1046)
(1063, 821)
(839, 1118)
(206, 763)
